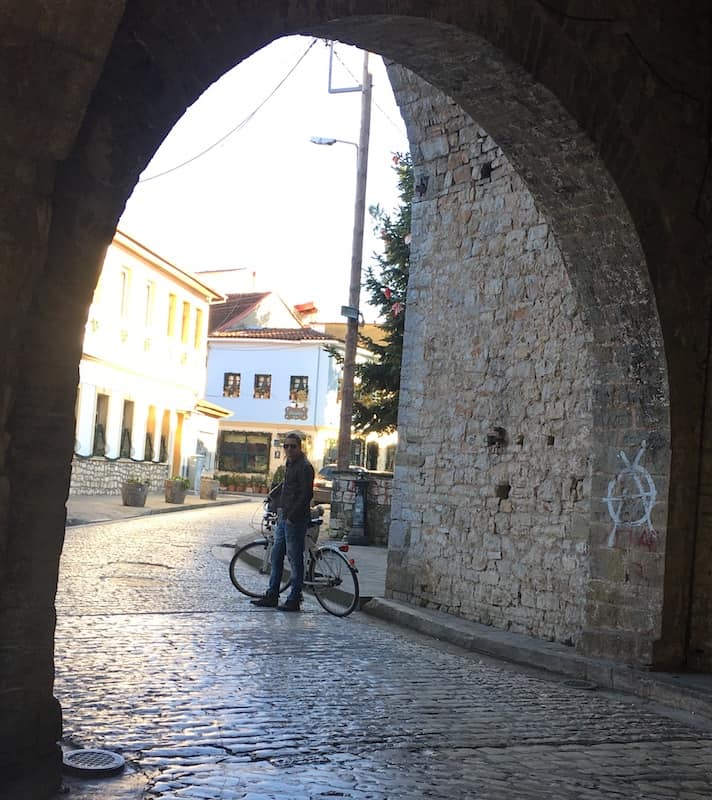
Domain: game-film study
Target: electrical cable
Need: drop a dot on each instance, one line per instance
(398, 127)
(238, 127)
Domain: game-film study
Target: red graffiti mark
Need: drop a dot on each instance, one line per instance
(648, 538)
(632, 537)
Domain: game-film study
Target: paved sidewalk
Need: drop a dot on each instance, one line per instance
(689, 692)
(85, 509)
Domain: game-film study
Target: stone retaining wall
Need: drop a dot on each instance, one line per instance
(101, 476)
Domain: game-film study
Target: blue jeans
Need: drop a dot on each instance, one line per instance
(289, 539)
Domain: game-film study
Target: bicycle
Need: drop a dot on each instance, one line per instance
(328, 573)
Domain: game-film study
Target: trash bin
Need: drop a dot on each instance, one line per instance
(195, 470)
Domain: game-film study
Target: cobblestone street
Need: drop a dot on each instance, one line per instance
(160, 659)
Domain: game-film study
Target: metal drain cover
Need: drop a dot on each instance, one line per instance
(93, 763)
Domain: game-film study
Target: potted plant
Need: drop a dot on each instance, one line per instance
(209, 488)
(175, 489)
(134, 491)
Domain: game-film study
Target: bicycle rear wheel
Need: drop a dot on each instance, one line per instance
(333, 581)
(250, 569)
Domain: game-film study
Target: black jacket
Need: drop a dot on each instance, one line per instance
(297, 490)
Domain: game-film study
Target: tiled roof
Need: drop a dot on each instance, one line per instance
(285, 334)
(227, 315)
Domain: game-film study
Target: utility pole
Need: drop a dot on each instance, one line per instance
(351, 311)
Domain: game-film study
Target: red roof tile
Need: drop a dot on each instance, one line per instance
(285, 334)
(227, 315)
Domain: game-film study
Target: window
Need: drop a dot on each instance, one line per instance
(299, 388)
(125, 292)
(372, 455)
(242, 451)
(165, 435)
(231, 384)
(331, 451)
(357, 452)
(148, 311)
(185, 323)
(150, 434)
(126, 429)
(101, 414)
(263, 387)
(390, 458)
(171, 327)
(198, 336)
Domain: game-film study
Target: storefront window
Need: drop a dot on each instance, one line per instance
(243, 451)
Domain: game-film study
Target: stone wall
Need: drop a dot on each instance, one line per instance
(494, 469)
(606, 118)
(101, 476)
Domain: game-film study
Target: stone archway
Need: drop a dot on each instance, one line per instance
(525, 316)
(90, 94)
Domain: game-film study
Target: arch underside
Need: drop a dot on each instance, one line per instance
(598, 127)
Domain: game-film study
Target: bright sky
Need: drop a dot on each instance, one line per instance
(266, 198)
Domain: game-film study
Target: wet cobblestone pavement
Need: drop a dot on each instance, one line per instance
(161, 660)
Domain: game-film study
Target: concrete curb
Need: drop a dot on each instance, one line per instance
(671, 689)
(76, 519)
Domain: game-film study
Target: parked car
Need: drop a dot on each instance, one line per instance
(324, 478)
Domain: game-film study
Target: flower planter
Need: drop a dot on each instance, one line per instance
(174, 491)
(209, 489)
(134, 493)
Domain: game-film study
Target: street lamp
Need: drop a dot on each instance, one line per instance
(351, 312)
(329, 140)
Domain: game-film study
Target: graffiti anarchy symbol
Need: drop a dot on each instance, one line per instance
(631, 496)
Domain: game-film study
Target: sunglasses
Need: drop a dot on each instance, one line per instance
(290, 446)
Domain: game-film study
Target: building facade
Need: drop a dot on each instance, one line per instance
(140, 409)
(276, 375)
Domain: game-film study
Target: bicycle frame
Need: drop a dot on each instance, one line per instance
(311, 543)
(328, 573)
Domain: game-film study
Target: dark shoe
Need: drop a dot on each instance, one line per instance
(289, 605)
(266, 601)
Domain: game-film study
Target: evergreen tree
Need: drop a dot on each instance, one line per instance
(378, 385)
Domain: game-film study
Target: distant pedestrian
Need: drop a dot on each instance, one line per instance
(293, 512)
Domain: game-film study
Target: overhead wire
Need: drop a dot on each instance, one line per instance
(237, 127)
(398, 127)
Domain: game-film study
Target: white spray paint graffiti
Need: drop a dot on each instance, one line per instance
(630, 499)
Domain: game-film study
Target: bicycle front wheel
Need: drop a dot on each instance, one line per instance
(333, 581)
(250, 569)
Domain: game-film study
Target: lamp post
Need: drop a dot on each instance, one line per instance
(351, 311)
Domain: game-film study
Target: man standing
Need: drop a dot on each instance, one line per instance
(293, 509)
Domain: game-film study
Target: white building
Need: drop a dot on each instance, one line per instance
(140, 404)
(275, 375)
